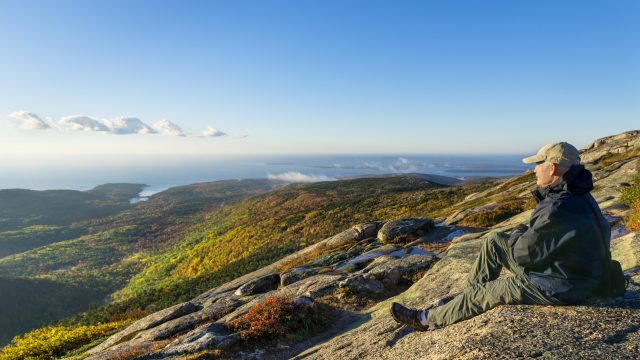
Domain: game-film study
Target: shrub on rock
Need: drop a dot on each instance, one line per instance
(54, 341)
(631, 197)
(274, 317)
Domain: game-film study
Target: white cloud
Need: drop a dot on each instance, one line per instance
(212, 132)
(119, 126)
(294, 176)
(129, 125)
(166, 127)
(82, 123)
(29, 120)
(402, 165)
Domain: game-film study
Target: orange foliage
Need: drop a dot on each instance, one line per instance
(274, 316)
(632, 222)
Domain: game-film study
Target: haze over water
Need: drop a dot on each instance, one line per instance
(163, 172)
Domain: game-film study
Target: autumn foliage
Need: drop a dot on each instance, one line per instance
(54, 341)
(274, 317)
(631, 197)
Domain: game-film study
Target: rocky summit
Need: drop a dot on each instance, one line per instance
(350, 279)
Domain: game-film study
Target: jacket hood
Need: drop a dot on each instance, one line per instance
(577, 180)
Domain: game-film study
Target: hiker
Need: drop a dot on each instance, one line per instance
(558, 259)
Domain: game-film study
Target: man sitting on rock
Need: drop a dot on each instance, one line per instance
(558, 259)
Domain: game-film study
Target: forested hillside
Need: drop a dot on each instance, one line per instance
(29, 218)
(79, 257)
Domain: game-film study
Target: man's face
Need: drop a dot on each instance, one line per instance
(545, 173)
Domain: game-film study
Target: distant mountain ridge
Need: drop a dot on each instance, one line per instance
(32, 218)
(437, 179)
(22, 207)
(90, 250)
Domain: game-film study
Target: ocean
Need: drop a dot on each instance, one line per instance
(160, 173)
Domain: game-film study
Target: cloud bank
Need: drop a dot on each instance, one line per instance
(212, 132)
(29, 120)
(129, 125)
(166, 127)
(294, 176)
(401, 165)
(122, 125)
(82, 123)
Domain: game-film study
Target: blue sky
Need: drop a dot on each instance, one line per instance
(296, 77)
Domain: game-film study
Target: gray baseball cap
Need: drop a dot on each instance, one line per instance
(560, 153)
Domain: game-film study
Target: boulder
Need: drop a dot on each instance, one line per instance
(358, 262)
(364, 285)
(329, 259)
(391, 271)
(220, 308)
(404, 230)
(368, 230)
(169, 328)
(295, 274)
(259, 285)
(128, 350)
(348, 267)
(145, 323)
(208, 301)
(315, 286)
(607, 145)
(380, 250)
(372, 245)
(344, 237)
(211, 296)
(205, 337)
(626, 250)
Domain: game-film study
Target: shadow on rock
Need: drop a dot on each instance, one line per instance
(404, 331)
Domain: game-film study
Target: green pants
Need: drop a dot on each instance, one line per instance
(485, 291)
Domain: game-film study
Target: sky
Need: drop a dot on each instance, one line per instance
(128, 78)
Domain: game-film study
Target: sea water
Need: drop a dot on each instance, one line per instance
(160, 173)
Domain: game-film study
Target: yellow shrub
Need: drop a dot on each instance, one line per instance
(631, 197)
(54, 341)
(633, 221)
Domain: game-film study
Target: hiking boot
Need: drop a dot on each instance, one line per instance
(407, 316)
